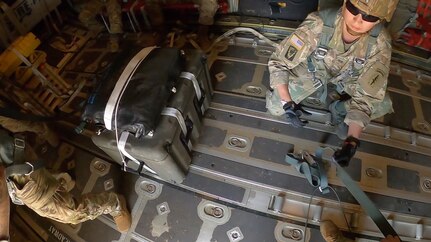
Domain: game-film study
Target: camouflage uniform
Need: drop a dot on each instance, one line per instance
(39, 128)
(47, 196)
(113, 8)
(43, 193)
(366, 87)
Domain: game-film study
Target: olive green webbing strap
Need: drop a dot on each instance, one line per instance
(365, 202)
(361, 197)
(328, 17)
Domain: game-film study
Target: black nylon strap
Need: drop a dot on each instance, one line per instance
(365, 202)
(24, 169)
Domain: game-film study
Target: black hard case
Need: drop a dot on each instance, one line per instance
(168, 150)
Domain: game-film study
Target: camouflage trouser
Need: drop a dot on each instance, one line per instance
(39, 128)
(18, 126)
(113, 8)
(207, 10)
(42, 193)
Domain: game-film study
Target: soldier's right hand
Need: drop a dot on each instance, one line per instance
(293, 113)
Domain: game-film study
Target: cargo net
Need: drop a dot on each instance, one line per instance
(419, 34)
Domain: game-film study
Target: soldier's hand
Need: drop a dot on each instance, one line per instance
(293, 113)
(347, 151)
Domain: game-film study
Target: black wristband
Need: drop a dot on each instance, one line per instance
(290, 104)
(351, 140)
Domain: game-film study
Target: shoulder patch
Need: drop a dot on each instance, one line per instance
(374, 78)
(296, 42)
(293, 51)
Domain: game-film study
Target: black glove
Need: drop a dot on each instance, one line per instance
(293, 112)
(347, 151)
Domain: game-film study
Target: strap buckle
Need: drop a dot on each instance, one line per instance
(320, 53)
(19, 142)
(359, 61)
(12, 192)
(317, 83)
(32, 168)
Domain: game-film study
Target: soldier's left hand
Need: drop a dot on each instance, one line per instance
(293, 113)
(347, 151)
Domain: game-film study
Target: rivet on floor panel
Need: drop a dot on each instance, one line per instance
(237, 142)
(235, 235)
(99, 166)
(108, 184)
(150, 188)
(373, 172)
(163, 208)
(214, 211)
(253, 89)
(427, 184)
(292, 233)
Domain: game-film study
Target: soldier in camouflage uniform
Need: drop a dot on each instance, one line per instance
(354, 61)
(113, 9)
(50, 198)
(48, 194)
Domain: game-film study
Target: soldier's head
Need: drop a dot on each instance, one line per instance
(361, 16)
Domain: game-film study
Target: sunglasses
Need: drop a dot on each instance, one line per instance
(355, 11)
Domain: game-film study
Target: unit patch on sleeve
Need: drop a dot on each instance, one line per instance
(291, 53)
(374, 78)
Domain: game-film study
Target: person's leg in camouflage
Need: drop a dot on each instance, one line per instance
(89, 12)
(41, 192)
(207, 11)
(115, 24)
(39, 128)
(338, 113)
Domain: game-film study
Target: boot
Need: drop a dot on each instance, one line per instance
(331, 233)
(122, 216)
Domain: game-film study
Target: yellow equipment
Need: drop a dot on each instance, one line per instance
(31, 82)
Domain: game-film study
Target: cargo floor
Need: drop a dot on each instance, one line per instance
(238, 169)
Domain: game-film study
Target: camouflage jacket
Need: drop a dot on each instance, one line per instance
(367, 88)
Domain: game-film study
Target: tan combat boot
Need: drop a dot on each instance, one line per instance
(122, 216)
(331, 233)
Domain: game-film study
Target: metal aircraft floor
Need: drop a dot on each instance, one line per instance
(239, 188)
